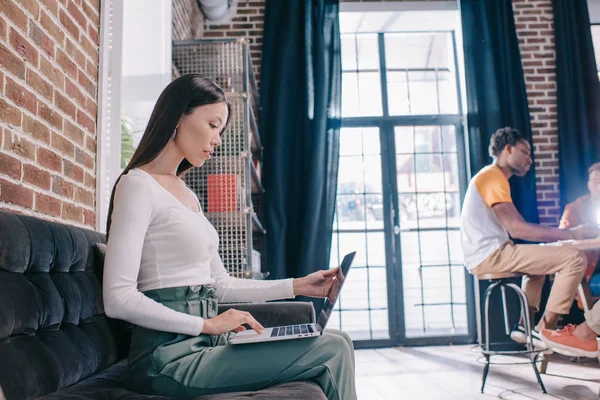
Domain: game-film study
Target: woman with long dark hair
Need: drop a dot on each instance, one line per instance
(163, 273)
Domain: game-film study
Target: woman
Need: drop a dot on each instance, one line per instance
(163, 273)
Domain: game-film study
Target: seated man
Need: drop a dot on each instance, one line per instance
(585, 210)
(577, 340)
(489, 219)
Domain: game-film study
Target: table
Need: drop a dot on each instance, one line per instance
(586, 244)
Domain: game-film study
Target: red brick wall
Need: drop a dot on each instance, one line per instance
(187, 20)
(48, 105)
(189, 23)
(535, 30)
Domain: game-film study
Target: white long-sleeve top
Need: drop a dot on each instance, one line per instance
(156, 242)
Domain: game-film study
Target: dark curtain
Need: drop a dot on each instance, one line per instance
(496, 95)
(578, 97)
(300, 122)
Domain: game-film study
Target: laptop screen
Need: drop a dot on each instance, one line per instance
(335, 291)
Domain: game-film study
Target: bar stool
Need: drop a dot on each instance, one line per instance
(501, 280)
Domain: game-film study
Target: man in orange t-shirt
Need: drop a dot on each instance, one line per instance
(586, 210)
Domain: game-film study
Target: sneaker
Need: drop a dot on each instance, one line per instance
(518, 335)
(563, 341)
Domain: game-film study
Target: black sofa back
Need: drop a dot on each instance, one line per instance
(53, 331)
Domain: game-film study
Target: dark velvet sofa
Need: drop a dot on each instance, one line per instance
(56, 342)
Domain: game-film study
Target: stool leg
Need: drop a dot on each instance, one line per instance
(505, 309)
(488, 293)
(486, 369)
(525, 308)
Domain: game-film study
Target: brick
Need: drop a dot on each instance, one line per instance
(3, 29)
(90, 144)
(73, 132)
(50, 115)
(67, 22)
(91, 107)
(32, 7)
(91, 13)
(61, 144)
(76, 14)
(62, 187)
(68, 66)
(53, 29)
(14, 14)
(55, 75)
(36, 176)
(23, 147)
(9, 114)
(10, 166)
(11, 62)
(84, 159)
(89, 218)
(51, 5)
(39, 84)
(36, 129)
(73, 171)
(91, 49)
(49, 159)
(93, 34)
(41, 39)
(75, 53)
(74, 92)
(85, 121)
(87, 84)
(92, 70)
(21, 96)
(90, 181)
(72, 212)
(47, 205)
(65, 105)
(84, 196)
(15, 194)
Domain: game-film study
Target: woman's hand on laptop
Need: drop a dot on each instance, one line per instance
(230, 320)
(319, 284)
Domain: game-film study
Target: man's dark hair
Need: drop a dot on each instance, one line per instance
(502, 137)
(594, 167)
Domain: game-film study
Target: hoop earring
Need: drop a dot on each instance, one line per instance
(174, 134)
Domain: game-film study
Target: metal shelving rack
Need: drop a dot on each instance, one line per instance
(229, 181)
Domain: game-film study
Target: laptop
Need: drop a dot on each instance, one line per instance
(299, 331)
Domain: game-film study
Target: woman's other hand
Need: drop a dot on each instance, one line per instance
(323, 283)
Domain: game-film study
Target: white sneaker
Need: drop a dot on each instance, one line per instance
(519, 336)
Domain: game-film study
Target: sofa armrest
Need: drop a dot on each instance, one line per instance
(276, 313)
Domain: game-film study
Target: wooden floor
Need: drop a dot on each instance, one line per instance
(453, 372)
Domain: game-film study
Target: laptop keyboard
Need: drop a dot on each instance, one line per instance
(292, 330)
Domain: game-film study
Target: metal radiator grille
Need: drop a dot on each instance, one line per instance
(226, 182)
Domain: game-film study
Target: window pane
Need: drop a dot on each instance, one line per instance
(372, 172)
(398, 100)
(376, 247)
(349, 242)
(447, 92)
(351, 142)
(350, 175)
(404, 139)
(422, 87)
(419, 50)
(374, 210)
(434, 247)
(448, 138)
(368, 51)
(350, 211)
(348, 52)
(427, 139)
(362, 94)
(405, 165)
(378, 287)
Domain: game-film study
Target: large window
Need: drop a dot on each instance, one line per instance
(401, 178)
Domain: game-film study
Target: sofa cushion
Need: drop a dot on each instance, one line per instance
(53, 331)
(108, 385)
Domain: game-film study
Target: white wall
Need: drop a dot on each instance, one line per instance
(146, 58)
